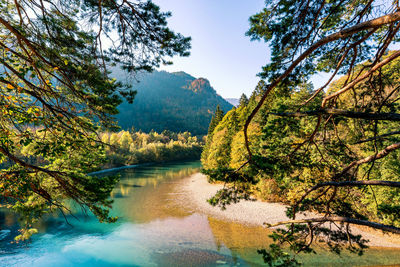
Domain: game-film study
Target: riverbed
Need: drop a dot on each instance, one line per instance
(158, 226)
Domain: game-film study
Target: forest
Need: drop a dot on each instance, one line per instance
(332, 150)
(162, 101)
(126, 148)
(278, 131)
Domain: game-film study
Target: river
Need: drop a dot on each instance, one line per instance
(154, 229)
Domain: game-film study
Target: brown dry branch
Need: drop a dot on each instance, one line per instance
(387, 228)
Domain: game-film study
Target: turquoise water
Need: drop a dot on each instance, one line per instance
(150, 232)
(155, 228)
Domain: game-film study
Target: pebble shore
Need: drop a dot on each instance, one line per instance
(197, 190)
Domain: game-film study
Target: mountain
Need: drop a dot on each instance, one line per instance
(233, 101)
(170, 101)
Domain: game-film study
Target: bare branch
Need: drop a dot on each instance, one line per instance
(377, 137)
(358, 183)
(362, 77)
(375, 23)
(343, 113)
(375, 225)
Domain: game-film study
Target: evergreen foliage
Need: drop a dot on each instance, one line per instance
(330, 150)
(170, 101)
(277, 174)
(243, 101)
(56, 92)
(216, 118)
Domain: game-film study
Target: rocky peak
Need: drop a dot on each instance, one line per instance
(199, 85)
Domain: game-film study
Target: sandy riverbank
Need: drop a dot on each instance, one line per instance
(196, 190)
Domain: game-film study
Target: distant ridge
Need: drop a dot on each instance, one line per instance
(170, 101)
(233, 101)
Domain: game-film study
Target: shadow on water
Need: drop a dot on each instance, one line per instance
(154, 229)
(131, 185)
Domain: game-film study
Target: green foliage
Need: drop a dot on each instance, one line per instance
(285, 165)
(276, 257)
(243, 101)
(58, 172)
(304, 140)
(56, 93)
(216, 118)
(219, 151)
(129, 148)
(292, 26)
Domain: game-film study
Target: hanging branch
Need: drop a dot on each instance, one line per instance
(342, 113)
(387, 228)
(372, 24)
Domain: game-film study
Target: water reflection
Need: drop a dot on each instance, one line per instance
(152, 176)
(243, 242)
(145, 194)
(154, 229)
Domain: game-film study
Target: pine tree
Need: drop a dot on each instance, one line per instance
(56, 78)
(234, 122)
(321, 147)
(218, 115)
(216, 118)
(258, 92)
(243, 101)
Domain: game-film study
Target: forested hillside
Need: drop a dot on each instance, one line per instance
(170, 101)
(292, 151)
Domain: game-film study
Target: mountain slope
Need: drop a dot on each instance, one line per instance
(171, 101)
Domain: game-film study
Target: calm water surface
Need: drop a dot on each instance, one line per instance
(154, 229)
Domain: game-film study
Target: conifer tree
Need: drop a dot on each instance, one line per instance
(243, 101)
(258, 92)
(332, 150)
(55, 77)
(216, 118)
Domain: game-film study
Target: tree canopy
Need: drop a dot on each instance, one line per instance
(56, 93)
(131, 148)
(332, 150)
(243, 100)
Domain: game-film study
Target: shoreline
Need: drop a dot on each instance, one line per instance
(113, 169)
(196, 190)
(120, 168)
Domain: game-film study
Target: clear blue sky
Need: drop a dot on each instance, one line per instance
(220, 50)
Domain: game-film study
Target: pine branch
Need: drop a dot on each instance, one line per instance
(384, 227)
(371, 24)
(377, 137)
(342, 113)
